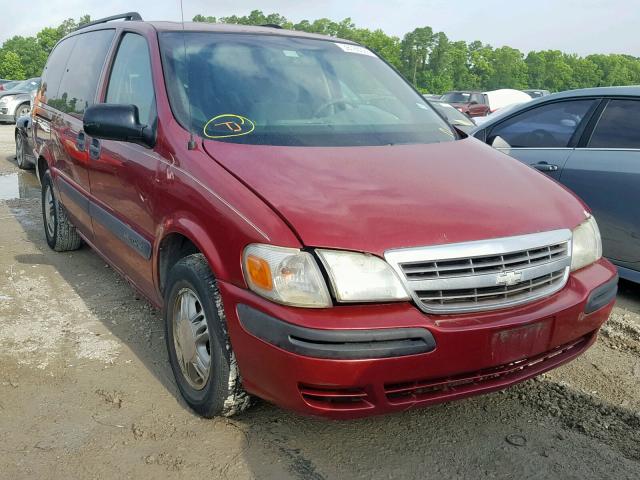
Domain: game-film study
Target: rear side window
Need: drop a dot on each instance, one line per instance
(131, 82)
(547, 126)
(80, 80)
(619, 126)
(56, 65)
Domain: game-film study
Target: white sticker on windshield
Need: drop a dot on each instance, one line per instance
(290, 53)
(422, 106)
(355, 49)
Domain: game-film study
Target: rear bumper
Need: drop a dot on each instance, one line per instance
(373, 369)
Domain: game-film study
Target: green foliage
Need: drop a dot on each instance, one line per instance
(430, 60)
(10, 66)
(435, 64)
(24, 57)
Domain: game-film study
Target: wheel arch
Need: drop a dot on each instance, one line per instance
(178, 238)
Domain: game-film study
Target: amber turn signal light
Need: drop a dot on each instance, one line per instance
(259, 272)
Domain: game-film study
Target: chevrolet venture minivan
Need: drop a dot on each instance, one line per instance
(313, 231)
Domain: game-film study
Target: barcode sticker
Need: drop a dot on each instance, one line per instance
(355, 49)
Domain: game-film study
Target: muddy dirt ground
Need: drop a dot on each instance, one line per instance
(86, 392)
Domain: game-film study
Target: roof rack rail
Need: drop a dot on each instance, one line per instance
(272, 25)
(123, 16)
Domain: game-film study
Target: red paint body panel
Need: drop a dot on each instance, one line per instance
(465, 343)
(401, 196)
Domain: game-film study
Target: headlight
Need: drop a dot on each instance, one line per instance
(358, 277)
(4, 99)
(285, 275)
(587, 245)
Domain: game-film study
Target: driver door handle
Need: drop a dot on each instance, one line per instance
(545, 167)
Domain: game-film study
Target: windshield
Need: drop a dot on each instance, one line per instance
(456, 97)
(277, 90)
(454, 116)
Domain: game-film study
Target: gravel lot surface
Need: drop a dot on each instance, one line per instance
(86, 392)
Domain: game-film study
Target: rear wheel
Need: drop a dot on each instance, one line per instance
(60, 233)
(21, 158)
(22, 110)
(197, 342)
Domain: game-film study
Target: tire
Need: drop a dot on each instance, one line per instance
(21, 110)
(197, 331)
(60, 233)
(21, 158)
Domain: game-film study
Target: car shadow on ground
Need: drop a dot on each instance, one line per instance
(538, 429)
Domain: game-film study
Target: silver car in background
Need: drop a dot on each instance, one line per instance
(16, 102)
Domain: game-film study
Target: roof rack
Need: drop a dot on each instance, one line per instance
(123, 16)
(272, 25)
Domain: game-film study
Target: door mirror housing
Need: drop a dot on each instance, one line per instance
(499, 142)
(118, 122)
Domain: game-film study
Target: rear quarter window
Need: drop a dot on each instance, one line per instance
(54, 69)
(80, 79)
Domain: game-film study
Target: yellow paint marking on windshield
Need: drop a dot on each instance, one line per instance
(228, 125)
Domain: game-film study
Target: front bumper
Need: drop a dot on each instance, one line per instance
(6, 117)
(470, 353)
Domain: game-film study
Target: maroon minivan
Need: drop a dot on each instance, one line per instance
(314, 232)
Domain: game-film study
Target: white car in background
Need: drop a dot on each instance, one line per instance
(505, 97)
(503, 101)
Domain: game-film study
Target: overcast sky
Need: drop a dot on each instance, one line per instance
(576, 26)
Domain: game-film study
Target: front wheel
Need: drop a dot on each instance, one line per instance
(60, 233)
(197, 342)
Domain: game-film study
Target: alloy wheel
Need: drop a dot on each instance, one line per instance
(49, 211)
(191, 338)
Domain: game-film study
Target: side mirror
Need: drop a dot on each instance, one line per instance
(117, 122)
(500, 143)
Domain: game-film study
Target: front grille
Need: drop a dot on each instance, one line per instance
(489, 295)
(482, 275)
(435, 389)
(486, 264)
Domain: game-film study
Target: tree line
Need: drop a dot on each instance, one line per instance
(430, 60)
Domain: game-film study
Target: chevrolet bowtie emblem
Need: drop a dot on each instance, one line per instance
(509, 278)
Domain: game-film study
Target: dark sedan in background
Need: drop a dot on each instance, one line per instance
(588, 140)
(24, 144)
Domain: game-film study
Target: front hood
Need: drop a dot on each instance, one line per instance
(376, 198)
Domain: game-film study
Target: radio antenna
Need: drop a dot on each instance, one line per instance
(191, 145)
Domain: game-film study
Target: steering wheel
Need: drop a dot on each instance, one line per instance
(331, 103)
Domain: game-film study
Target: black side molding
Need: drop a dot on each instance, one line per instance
(124, 232)
(336, 344)
(602, 295)
(76, 196)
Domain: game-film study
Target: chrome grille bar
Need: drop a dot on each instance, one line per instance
(483, 275)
